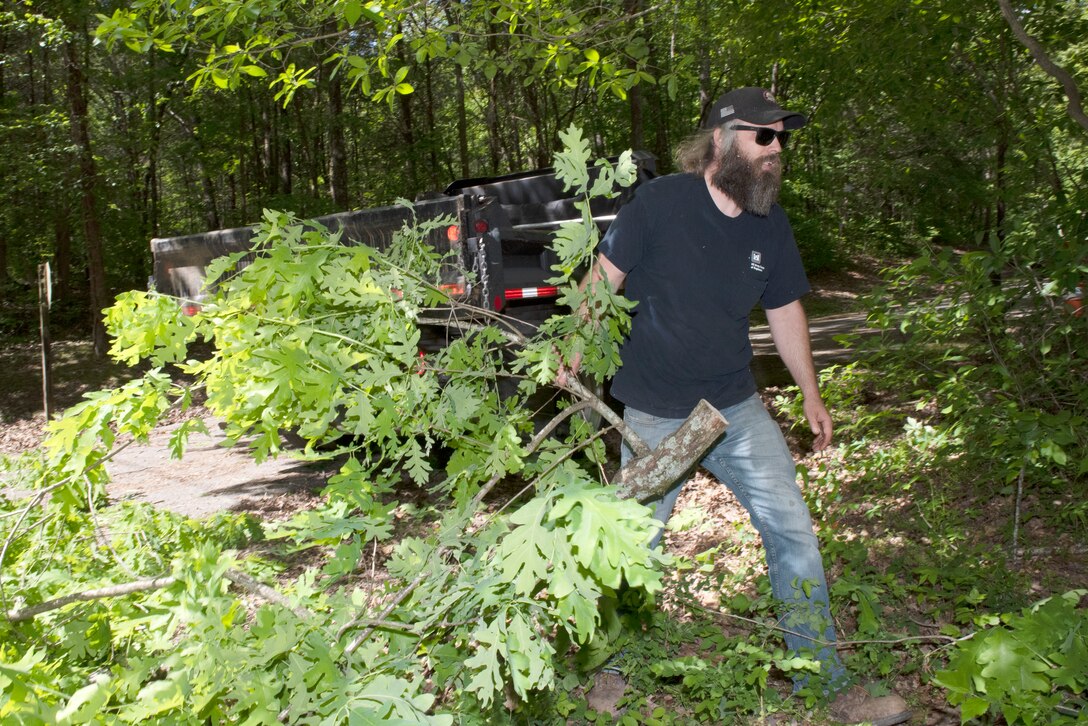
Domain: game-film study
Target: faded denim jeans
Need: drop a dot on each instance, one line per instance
(753, 460)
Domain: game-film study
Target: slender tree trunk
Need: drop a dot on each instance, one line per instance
(155, 113)
(432, 132)
(207, 188)
(62, 249)
(706, 85)
(4, 277)
(494, 133)
(338, 155)
(286, 156)
(269, 157)
(634, 96)
(88, 182)
(459, 91)
(407, 126)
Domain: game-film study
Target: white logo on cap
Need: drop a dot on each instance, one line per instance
(727, 111)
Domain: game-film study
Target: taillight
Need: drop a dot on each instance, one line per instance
(190, 308)
(453, 233)
(481, 226)
(452, 289)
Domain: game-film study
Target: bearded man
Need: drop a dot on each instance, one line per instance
(697, 251)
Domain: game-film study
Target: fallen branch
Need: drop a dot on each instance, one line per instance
(239, 578)
(361, 638)
(17, 615)
(638, 446)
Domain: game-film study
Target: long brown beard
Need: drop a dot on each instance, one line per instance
(746, 183)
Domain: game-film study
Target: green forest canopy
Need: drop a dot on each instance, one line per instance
(930, 121)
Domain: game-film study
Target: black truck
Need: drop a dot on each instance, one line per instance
(501, 236)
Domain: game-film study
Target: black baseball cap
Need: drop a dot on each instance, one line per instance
(754, 105)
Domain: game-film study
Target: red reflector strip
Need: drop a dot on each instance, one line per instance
(526, 293)
(452, 289)
(190, 309)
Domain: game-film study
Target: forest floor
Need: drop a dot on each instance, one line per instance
(708, 519)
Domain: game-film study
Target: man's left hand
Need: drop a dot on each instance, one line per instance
(819, 420)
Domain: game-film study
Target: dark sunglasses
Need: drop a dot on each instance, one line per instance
(764, 135)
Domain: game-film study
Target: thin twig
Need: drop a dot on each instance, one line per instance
(899, 640)
(354, 644)
(35, 501)
(1016, 517)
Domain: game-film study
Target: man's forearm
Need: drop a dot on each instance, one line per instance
(789, 331)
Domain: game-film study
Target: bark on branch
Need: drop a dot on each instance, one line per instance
(17, 615)
(239, 578)
(1075, 106)
(648, 477)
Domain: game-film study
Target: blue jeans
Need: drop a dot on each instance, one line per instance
(752, 459)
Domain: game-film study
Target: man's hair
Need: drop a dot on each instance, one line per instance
(695, 153)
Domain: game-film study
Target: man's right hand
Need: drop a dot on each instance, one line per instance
(603, 269)
(567, 373)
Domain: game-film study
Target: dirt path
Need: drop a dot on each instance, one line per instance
(210, 477)
(769, 369)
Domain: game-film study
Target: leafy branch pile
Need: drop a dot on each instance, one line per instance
(476, 614)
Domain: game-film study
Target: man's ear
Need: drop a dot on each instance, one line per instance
(718, 138)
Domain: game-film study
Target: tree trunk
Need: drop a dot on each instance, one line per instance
(268, 157)
(92, 228)
(286, 167)
(338, 155)
(453, 11)
(155, 113)
(62, 250)
(207, 188)
(407, 125)
(430, 135)
(635, 96)
(493, 131)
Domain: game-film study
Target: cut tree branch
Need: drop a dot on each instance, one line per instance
(649, 476)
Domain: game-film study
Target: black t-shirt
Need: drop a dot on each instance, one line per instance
(696, 274)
